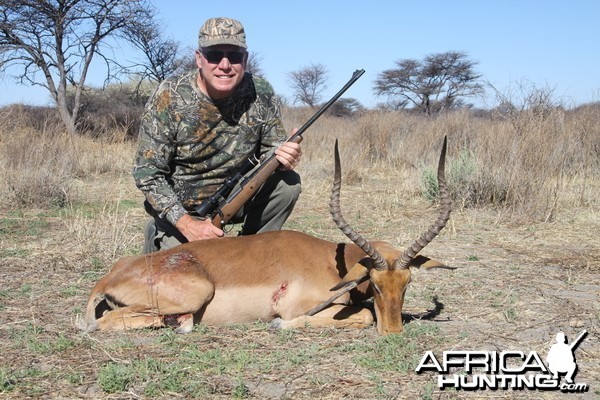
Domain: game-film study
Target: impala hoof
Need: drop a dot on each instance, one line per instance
(184, 329)
(83, 326)
(183, 323)
(277, 323)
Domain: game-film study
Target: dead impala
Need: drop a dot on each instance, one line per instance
(285, 277)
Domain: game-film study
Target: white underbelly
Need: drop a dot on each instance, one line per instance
(239, 305)
(249, 304)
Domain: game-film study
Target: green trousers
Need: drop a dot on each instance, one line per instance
(266, 211)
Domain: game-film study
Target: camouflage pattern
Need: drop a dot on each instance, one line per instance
(222, 30)
(190, 144)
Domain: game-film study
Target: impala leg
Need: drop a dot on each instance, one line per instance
(186, 323)
(131, 317)
(154, 292)
(167, 303)
(335, 316)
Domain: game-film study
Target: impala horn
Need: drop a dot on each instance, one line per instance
(446, 206)
(336, 214)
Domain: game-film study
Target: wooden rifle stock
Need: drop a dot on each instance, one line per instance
(222, 211)
(247, 189)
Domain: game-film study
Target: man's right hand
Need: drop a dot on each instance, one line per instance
(194, 229)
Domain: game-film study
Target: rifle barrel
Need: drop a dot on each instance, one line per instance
(357, 74)
(211, 204)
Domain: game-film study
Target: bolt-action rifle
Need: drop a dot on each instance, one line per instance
(222, 206)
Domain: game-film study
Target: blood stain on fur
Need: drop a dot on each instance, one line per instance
(278, 294)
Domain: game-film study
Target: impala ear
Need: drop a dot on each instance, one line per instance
(357, 274)
(427, 263)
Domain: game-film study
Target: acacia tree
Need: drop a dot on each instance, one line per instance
(59, 39)
(253, 65)
(346, 107)
(308, 83)
(438, 82)
(162, 56)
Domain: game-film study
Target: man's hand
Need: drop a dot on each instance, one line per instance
(288, 154)
(194, 229)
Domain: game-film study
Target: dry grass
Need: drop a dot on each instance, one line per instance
(528, 264)
(529, 166)
(43, 168)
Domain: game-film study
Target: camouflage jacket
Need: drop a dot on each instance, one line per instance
(189, 144)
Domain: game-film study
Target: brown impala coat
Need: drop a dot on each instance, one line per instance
(277, 276)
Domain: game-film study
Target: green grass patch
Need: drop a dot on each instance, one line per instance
(72, 290)
(35, 339)
(17, 227)
(115, 377)
(13, 380)
(14, 253)
(156, 378)
(395, 352)
(7, 380)
(95, 209)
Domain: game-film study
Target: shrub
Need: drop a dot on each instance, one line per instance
(114, 112)
(36, 169)
(114, 377)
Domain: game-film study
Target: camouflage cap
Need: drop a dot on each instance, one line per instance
(222, 30)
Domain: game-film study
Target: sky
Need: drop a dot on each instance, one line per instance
(545, 44)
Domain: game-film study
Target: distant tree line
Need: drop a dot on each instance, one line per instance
(54, 43)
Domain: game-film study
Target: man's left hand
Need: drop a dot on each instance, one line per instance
(288, 154)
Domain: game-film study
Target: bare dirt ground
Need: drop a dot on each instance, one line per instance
(515, 286)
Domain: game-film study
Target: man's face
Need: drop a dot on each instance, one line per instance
(221, 69)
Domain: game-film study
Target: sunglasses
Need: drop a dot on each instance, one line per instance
(215, 56)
